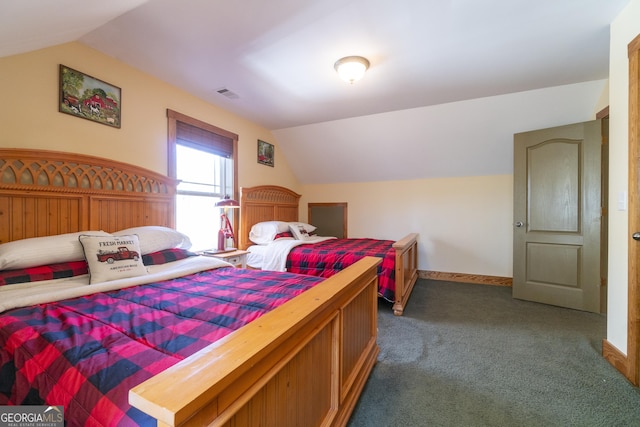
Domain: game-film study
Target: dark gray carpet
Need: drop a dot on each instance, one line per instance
(470, 355)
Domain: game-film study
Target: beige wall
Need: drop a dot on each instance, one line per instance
(623, 30)
(29, 116)
(464, 223)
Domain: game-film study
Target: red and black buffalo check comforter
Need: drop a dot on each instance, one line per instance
(326, 258)
(86, 353)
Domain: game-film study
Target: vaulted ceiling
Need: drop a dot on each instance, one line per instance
(276, 57)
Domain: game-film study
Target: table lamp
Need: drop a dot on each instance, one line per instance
(226, 231)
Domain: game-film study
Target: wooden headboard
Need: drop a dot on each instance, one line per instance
(265, 203)
(43, 193)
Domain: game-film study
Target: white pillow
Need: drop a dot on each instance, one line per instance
(299, 231)
(308, 227)
(263, 233)
(112, 257)
(154, 238)
(37, 251)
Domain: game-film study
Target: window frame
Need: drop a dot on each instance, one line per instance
(173, 117)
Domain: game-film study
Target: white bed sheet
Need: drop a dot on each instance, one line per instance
(25, 294)
(255, 257)
(274, 255)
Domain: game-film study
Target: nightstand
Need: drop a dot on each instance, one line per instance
(238, 258)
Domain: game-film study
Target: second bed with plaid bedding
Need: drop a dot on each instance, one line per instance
(86, 353)
(324, 259)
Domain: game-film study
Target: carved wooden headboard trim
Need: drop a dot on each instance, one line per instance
(48, 192)
(265, 203)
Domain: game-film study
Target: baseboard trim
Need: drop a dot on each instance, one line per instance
(616, 358)
(466, 278)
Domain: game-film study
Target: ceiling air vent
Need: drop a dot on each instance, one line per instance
(226, 92)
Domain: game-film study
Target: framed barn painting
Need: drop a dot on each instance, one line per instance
(84, 96)
(265, 153)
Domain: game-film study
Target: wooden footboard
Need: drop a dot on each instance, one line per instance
(305, 363)
(406, 270)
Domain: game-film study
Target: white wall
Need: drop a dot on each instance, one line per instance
(464, 219)
(467, 138)
(623, 30)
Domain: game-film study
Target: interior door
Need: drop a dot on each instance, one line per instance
(557, 216)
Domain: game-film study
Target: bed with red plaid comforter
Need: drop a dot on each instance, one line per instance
(86, 353)
(324, 259)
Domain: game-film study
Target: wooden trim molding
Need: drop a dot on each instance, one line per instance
(466, 278)
(53, 171)
(614, 356)
(633, 328)
(603, 113)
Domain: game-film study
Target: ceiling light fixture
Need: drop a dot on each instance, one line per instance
(351, 68)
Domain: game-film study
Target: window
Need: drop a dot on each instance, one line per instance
(203, 158)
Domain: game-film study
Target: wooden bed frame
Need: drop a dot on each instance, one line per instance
(304, 363)
(43, 193)
(275, 203)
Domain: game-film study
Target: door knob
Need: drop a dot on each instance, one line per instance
(520, 224)
(636, 235)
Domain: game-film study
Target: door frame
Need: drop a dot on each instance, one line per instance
(629, 365)
(633, 330)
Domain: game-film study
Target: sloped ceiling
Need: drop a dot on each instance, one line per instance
(27, 25)
(277, 56)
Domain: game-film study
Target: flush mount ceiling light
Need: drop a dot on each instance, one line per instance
(351, 68)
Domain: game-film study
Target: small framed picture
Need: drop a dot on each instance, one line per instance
(89, 98)
(265, 153)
